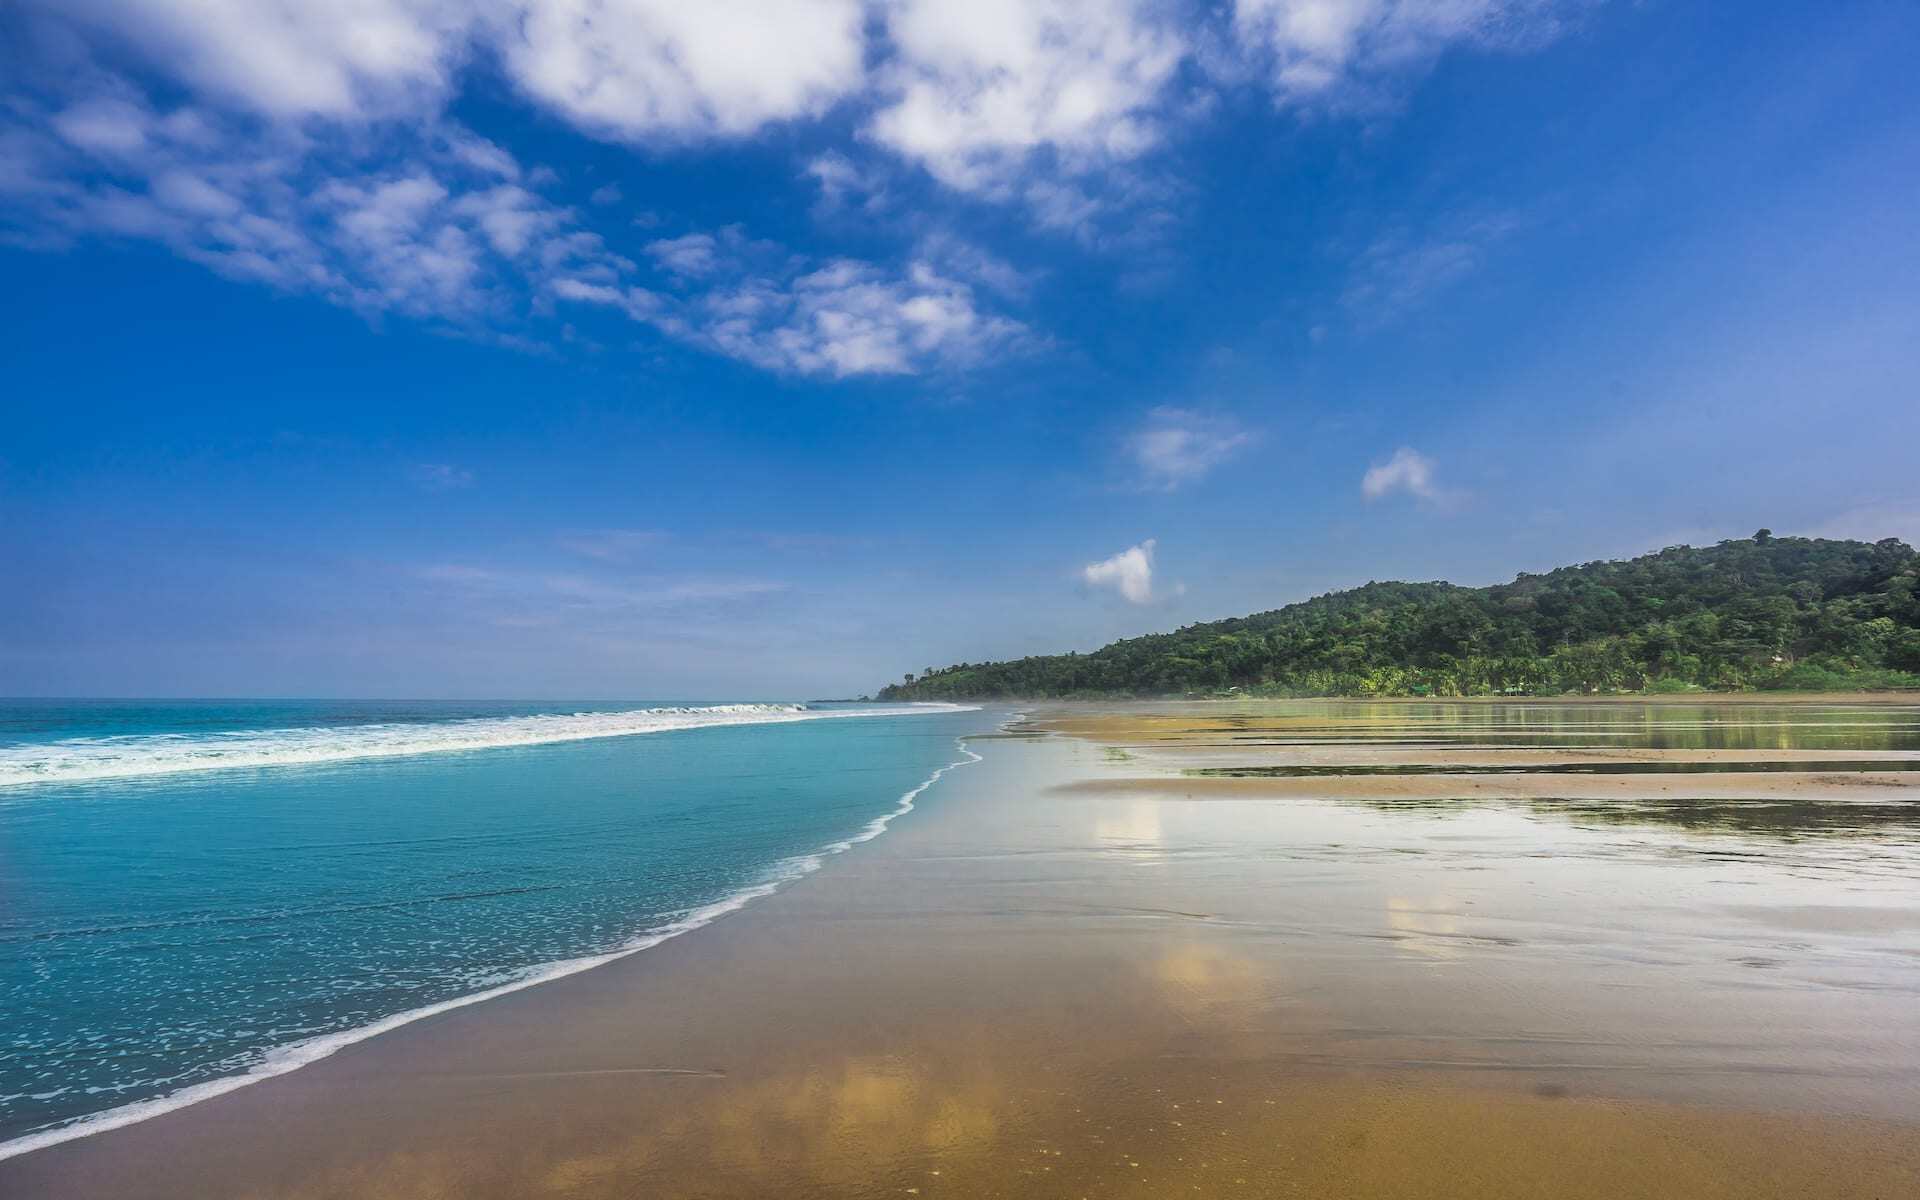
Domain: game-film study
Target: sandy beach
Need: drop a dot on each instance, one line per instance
(1080, 969)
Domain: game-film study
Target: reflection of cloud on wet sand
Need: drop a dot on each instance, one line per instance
(1130, 829)
(1430, 928)
(832, 1127)
(1203, 982)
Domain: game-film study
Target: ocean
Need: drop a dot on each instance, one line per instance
(196, 894)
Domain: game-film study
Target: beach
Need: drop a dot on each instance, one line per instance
(1134, 950)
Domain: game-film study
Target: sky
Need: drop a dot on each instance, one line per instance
(639, 349)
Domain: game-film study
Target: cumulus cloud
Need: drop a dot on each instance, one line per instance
(1407, 471)
(994, 97)
(968, 91)
(1178, 446)
(626, 69)
(975, 91)
(308, 147)
(1129, 573)
(643, 69)
(345, 59)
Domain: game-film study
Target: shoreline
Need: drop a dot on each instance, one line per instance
(1054, 983)
(88, 760)
(286, 1059)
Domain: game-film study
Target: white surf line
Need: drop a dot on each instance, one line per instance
(282, 1060)
(84, 760)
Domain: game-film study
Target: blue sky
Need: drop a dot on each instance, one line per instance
(619, 348)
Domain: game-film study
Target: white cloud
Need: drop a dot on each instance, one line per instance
(841, 318)
(435, 233)
(846, 185)
(647, 69)
(1130, 573)
(1178, 446)
(512, 218)
(962, 259)
(606, 193)
(1339, 51)
(307, 147)
(1407, 471)
(1019, 99)
(629, 69)
(482, 155)
(446, 235)
(104, 125)
(976, 91)
(692, 255)
(345, 58)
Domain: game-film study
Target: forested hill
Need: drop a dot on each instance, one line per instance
(1759, 612)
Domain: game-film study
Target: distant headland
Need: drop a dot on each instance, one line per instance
(1759, 613)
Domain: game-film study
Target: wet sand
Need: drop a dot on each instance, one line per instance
(1077, 970)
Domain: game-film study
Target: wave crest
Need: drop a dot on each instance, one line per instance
(79, 760)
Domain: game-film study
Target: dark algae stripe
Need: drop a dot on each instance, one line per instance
(1774, 766)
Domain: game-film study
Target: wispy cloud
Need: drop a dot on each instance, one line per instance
(842, 318)
(1178, 446)
(689, 256)
(1407, 471)
(1871, 522)
(1403, 270)
(1128, 573)
(533, 591)
(449, 237)
(847, 186)
(1349, 53)
(440, 477)
(457, 573)
(613, 545)
(975, 93)
(812, 543)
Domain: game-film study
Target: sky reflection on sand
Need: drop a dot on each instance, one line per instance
(1072, 974)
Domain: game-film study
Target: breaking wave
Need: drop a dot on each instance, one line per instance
(78, 760)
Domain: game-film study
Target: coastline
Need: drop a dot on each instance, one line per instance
(293, 1056)
(1050, 983)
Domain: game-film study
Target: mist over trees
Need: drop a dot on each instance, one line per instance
(1759, 612)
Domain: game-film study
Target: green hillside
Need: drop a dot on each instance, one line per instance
(1761, 612)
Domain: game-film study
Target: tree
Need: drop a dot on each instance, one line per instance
(1758, 612)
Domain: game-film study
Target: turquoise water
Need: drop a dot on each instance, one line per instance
(197, 892)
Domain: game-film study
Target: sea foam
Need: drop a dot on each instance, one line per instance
(78, 760)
